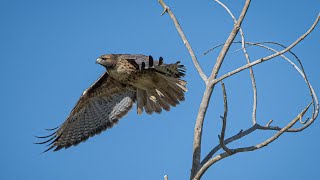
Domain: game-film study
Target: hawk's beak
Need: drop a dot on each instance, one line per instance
(98, 61)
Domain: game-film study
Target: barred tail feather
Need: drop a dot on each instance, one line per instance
(148, 106)
(162, 97)
(167, 91)
(141, 100)
(161, 100)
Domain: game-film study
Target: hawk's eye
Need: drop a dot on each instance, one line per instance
(104, 58)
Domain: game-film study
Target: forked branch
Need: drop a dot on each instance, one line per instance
(268, 126)
(270, 56)
(217, 158)
(301, 71)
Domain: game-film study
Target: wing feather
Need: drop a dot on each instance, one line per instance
(100, 107)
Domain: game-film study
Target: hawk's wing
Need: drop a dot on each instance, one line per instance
(100, 107)
(168, 87)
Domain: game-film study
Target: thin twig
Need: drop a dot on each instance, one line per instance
(166, 9)
(269, 123)
(224, 121)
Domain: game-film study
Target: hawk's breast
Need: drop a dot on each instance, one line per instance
(123, 71)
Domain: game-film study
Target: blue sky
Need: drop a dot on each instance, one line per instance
(48, 52)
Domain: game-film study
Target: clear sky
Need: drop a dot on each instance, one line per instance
(48, 52)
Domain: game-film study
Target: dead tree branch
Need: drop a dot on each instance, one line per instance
(300, 70)
(270, 56)
(199, 167)
(253, 81)
(217, 158)
(268, 126)
(224, 121)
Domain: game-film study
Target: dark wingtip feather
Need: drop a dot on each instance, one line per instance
(181, 70)
(150, 61)
(52, 128)
(45, 141)
(160, 61)
(48, 149)
(41, 137)
(180, 74)
(52, 139)
(58, 148)
(52, 142)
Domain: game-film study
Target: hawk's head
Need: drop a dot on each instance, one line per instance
(107, 60)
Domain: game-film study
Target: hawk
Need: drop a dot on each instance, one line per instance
(129, 79)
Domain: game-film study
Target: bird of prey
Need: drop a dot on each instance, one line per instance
(129, 78)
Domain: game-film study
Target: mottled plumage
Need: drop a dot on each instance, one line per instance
(152, 84)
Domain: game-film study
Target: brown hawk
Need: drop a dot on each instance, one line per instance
(129, 78)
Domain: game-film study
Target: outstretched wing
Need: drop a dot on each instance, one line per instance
(100, 107)
(168, 87)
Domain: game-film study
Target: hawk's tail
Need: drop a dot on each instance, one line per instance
(169, 90)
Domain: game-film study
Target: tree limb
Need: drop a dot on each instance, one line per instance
(253, 81)
(270, 56)
(301, 72)
(166, 9)
(229, 140)
(229, 41)
(224, 121)
(217, 158)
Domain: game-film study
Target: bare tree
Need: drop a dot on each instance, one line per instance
(199, 166)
